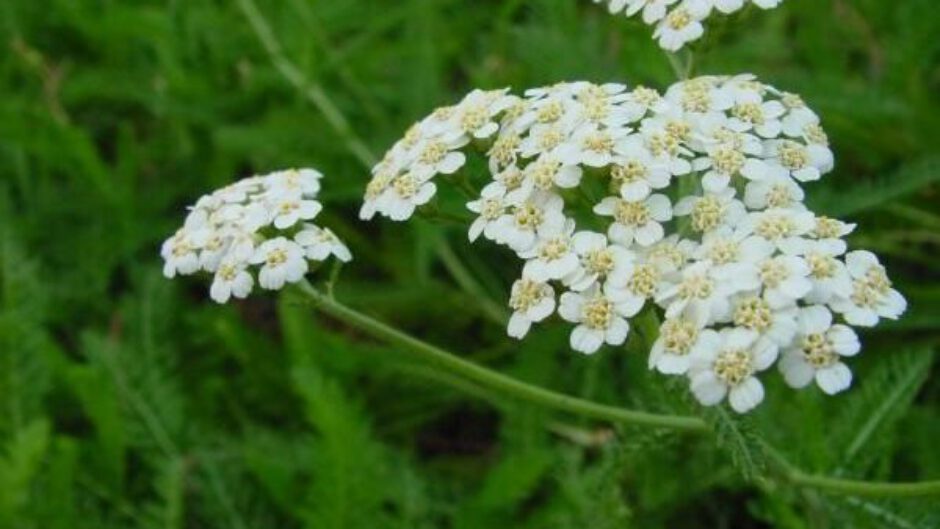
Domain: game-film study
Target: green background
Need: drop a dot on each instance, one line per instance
(127, 400)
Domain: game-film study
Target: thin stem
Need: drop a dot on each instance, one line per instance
(878, 489)
(311, 89)
(488, 379)
(495, 312)
(495, 381)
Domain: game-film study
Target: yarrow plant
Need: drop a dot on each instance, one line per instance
(687, 203)
(678, 22)
(261, 227)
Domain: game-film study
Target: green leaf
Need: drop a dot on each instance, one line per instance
(877, 404)
(737, 436)
(841, 199)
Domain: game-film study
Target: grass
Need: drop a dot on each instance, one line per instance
(131, 401)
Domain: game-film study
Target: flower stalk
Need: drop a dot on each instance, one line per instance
(508, 386)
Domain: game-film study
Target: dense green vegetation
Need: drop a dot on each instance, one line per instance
(127, 400)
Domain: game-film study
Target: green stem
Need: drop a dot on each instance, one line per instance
(488, 379)
(492, 310)
(878, 489)
(311, 89)
(493, 380)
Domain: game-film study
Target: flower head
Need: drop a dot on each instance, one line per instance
(260, 223)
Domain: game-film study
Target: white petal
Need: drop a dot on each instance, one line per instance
(746, 395)
(834, 378)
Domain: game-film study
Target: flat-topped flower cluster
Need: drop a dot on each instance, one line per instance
(691, 200)
(259, 224)
(678, 22)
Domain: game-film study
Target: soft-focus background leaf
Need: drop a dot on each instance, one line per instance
(127, 400)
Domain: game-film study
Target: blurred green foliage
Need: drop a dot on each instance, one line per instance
(130, 401)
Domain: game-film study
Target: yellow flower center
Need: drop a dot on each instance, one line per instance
(733, 366)
(678, 336)
(707, 213)
(753, 313)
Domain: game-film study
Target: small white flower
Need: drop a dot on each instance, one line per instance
(289, 210)
(546, 174)
(531, 301)
(539, 216)
(592, 146)
(179, 254)
(636, 172)
(872, 296)
(817, 352)
(804, 163)
(775, 190)
(698, 293)
(670, 353)
(712, 211)
(231, 279)
(776, 325)
(785, 279)
(763, 118)
(785, 228)
(638, 221)
(553, 257)
(491, 205)
(600, 319)
(599, 260)
(829, 277)
(405, 193)
(282, 262)
(724, 364)
(320, 243)
(438, 156)
(680, 26)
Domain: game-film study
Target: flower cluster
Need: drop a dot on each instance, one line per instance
(677, 22)
(690, 200)
(261, 222)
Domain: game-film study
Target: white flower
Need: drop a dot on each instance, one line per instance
(406, 192)
(231, 279)
(673, 28)
(438, 156)
(290, 209)
(638, 221)
(592, 145)
(818, 351)
(531, 301)
(553, 257)
(804, 163)
(474, 116)
(785, 228)
(699, 293)
(724, 364)
(761, 117)
(179, 254)
(680, 26)
(785, 279)
(282, 262)
(775, 190)
(775, 325)
(712, 211)
(539, 216)
(872, 296)
(320, 243)
(545, 174)
(599, 260)
(636, 172)
(251, 222)
(670, 353)
(829, 277)
(600, 319)
(491, 205)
